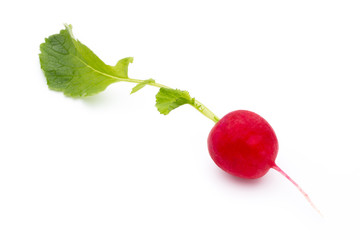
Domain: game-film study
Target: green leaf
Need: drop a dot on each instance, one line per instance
(71, 67)
(168, 99)
(141, 85)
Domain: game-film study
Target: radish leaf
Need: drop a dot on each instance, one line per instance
(72, 68)
(168, 99)
(141, 85)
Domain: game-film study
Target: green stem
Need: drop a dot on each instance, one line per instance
(205, 111)
(197, 104)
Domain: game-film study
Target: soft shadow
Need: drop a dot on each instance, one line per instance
(97, 100)
(240, 181)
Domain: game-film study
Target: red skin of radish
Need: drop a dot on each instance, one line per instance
(243, 144)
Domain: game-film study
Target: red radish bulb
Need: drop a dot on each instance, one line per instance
(244, 144)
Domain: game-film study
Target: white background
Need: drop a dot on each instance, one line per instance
(111, 167)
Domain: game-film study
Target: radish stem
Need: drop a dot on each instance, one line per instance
(196, 104)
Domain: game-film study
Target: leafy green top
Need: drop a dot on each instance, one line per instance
(141, 85)
(168, 99)
(72, 68)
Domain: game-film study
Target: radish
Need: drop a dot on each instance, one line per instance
(244, 144)
(241, 143)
